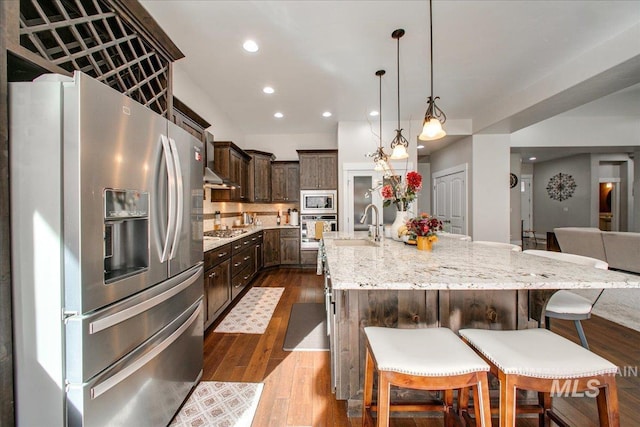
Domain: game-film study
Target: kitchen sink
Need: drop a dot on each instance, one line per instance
(354, 242)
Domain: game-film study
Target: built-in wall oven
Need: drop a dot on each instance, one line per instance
(312, 227)
(318, 214)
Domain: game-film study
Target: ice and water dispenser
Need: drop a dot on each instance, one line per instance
(126, 233)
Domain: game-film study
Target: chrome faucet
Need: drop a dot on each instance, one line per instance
(376, 231)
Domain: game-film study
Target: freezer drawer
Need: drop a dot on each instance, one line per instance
(98, 340)
(148, 386)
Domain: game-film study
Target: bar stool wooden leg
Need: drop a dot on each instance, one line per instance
(507, 401)
(608, 406)
(368, 390)
(544, 400)
(481, 405)
(448, 403)
(383, 399)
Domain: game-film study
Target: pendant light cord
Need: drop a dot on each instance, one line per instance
(398, 74)
(431, 42)
(380, 73)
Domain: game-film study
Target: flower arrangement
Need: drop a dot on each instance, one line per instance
(424, 226)
(401, 193)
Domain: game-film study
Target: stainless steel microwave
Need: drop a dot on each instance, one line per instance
(318, 202)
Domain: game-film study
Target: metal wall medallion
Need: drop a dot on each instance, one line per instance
(513, 180)
(561, 187)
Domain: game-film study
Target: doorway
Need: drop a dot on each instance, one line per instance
(450, 199)
(609, 212)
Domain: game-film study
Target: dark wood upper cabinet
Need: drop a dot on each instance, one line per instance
(285, 181)
(259, 176)
(231, 163)
(318, 169)
(189, 120)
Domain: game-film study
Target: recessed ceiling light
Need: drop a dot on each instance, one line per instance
(278, 115)
(250, 46)
(420, 147)
(268, 89)
(374, 113)
(532, 158)
(326, 114)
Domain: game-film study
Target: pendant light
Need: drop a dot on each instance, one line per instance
(380, 158)
(434, 117)
(399, 144)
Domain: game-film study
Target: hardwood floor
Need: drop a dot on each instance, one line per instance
(296, 384)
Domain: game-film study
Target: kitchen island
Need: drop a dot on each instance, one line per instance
(457, 285)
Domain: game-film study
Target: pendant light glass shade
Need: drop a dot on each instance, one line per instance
(399, 150)
(431, 130)
(434, 117)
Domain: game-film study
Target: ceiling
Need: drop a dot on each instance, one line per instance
(322, 55)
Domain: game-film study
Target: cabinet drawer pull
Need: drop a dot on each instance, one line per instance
(212, 275)
(237, 286)
(253, 239)
(222, 254)
(246, 277)
(237, 247)
(246, 243)
(246, 258)
(237, 264)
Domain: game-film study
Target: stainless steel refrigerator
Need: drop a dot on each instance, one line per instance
(106, 207)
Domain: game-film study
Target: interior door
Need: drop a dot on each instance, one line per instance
(450, 199)
(361, 191)
(526, 203)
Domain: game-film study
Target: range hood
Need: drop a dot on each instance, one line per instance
(210, 178)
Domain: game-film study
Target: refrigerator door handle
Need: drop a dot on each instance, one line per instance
(180, 201)
(171, 174)
(114, 380)
(119, 317)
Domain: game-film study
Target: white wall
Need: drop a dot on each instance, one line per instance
(571, 131)
(222, 128)
(573, 212)
(284, 146)
(515, 196)
(490, 187)
(424, 198)
(635, 225)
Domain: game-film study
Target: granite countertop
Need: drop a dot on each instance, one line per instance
(456, 265)
(210, 243)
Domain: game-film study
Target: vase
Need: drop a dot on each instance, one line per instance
(424, 244)
(401, 219)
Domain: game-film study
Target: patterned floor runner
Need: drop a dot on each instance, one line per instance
(220, 404)
(252, 313)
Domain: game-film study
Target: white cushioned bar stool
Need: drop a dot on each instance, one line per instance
(423, 359)
(539, 360)
(567, 305)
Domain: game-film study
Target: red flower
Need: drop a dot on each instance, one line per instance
(414, 181)
(387, 192)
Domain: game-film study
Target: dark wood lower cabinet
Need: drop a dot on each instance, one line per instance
(290, 246)
(230, 268)
(271, 248)
(218, 292)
